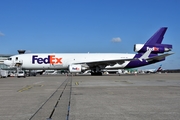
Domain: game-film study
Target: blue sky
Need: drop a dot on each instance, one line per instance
(63, 26)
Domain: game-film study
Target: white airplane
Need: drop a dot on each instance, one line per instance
(159, 69)
(148, 53)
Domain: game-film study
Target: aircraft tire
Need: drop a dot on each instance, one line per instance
(96, 74)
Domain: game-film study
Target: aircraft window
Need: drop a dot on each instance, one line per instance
(9, 58)
(16, 58)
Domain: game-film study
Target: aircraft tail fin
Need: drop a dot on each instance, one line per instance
(154, 43)
(159, 69)
(157, 37)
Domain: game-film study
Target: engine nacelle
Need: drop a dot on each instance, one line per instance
(158, 48)
(75, 68)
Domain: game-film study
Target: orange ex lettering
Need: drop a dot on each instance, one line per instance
(54, 60)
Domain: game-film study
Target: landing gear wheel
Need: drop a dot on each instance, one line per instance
(96, 73)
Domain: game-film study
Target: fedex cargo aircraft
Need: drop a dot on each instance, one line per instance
(152, 51)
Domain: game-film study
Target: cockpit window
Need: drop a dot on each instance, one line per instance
(16, 58)
(9, 58)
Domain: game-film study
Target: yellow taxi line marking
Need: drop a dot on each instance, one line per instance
(76, 83)
(25, 88)
(28, 87)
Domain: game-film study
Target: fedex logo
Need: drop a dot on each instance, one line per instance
(51, 59)
(153, 48)
(75, 68)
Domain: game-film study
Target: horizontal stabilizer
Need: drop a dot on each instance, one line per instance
(159, 57)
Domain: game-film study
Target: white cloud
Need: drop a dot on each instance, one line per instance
(2, 34)
(118, 39)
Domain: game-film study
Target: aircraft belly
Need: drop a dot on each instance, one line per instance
(43, 66)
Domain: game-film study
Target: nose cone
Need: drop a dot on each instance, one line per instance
(7, 62)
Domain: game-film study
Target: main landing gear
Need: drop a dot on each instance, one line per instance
(96, 71)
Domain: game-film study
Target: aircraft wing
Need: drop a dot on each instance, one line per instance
(159, 57)
(121, 61)
(113, 62)
(106, 62)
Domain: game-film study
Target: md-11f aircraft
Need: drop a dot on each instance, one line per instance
(152, 51)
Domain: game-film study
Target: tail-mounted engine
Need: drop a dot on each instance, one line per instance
(158, 48)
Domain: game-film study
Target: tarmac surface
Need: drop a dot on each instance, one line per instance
(108, 97)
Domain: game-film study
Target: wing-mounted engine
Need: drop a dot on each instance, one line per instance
(75, 68)
(157, 48)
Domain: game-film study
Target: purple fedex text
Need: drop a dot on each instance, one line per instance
(51, 59)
